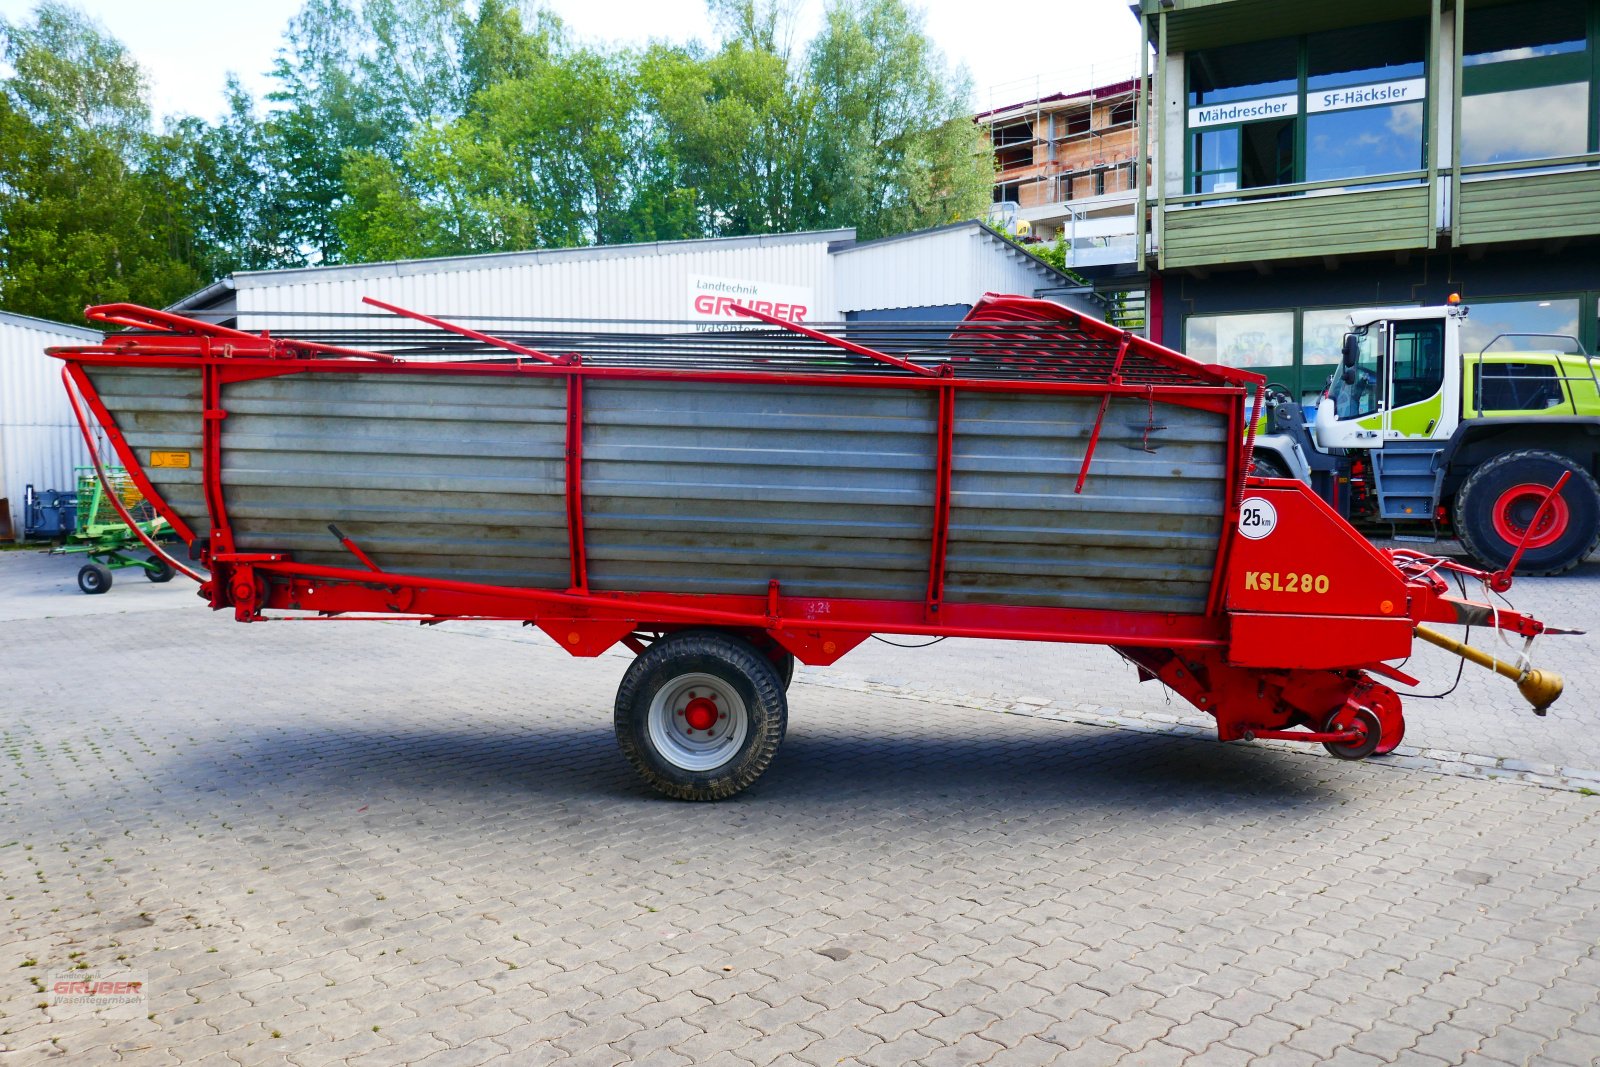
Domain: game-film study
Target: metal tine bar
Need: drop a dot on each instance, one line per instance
(983, 350)
(463, 331)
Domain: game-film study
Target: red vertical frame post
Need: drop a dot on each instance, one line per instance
(943, 465)
(211, 416)
(580, 562)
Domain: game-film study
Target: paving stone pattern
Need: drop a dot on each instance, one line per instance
(381, 844)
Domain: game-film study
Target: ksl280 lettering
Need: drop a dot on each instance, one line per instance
(1281, 582)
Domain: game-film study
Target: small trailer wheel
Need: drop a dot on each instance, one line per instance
(157, 569)
(1363, 719)
(700, 714)
(94, 578)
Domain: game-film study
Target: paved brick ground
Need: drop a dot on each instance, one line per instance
(383, 844)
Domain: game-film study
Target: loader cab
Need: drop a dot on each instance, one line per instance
(1398, 378)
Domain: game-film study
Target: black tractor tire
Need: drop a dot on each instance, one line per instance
(94, 578)
(1269, 465)
(157, 569)
(1499, 499)
(701, 682)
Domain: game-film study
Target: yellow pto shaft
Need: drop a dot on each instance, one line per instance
(1539, 688)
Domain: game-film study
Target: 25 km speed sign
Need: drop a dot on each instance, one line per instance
(1257, 518)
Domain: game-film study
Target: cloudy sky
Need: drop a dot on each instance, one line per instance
(188, 46)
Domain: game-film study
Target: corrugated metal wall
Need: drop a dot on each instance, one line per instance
(648, 282)
(697, 487)
(39, 441)
(955, 265)
(1142, 536)
(702, 488)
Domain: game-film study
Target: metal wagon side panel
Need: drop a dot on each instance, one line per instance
(700, 487)
(1143, 534)
(157, 409)
(449, 476)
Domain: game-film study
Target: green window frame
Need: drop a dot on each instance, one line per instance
(1527, 75)
(1198, 177)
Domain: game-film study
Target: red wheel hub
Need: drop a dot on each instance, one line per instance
(701, 714)
(1515, 510)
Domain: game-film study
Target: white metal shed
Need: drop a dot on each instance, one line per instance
(39, 440)
(814, 276)
(940, 273)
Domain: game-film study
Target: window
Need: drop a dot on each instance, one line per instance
(1521, 326)
(1322, 334)
(1264, 339)
(1364, 99)
(1242, 102)
(1122, 114)
(1355, 391)
(1518, 387)
(1525, 82)
(1075, 123)
(1328, 106)
(1418, 360)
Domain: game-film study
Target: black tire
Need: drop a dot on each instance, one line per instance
(1370, 740)
(158, 570)
(1269, 465)
(94, 578)
(659, 697)
(1490, 492)
(785, 669)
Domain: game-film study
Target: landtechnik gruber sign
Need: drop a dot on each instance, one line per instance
(714, 299)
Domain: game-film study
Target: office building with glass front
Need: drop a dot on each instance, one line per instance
(1310, 159)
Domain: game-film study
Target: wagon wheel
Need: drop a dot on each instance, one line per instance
(700, 714)
(94, 578)
(157, 569)
(1364, 719)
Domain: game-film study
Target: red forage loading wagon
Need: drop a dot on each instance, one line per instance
(724, 503)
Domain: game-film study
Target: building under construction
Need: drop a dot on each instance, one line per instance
(1066, 165)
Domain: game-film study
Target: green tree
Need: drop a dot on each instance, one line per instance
(219, 173)
(323, 112)
(898, 149)
(82, 219)
(541, 160)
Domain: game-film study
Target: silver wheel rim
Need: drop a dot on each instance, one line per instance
(683, 729)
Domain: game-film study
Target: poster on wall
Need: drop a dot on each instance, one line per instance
(711, 301)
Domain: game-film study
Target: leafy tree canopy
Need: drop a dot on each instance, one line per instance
(406, 128)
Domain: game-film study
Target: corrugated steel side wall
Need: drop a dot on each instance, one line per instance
(449, 477)
(159, 409)
(39, 440)
(937, 268)
(1142, 536)
(953, 266)
(701, 487)
(624, 286)
(705, 488)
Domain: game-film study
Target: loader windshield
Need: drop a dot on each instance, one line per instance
(1355, 385)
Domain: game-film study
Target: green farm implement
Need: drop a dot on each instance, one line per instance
(102, 535)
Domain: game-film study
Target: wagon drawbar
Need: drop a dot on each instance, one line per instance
(725, 503)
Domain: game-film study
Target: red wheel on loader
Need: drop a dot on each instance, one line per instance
(1498, 506)
(1385, 702)
(1363, 719)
